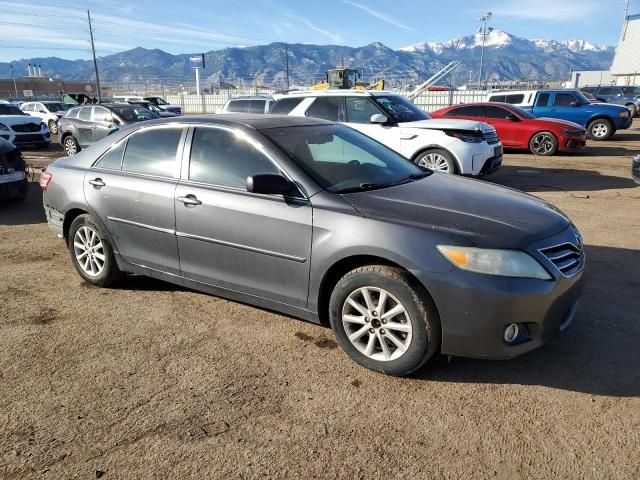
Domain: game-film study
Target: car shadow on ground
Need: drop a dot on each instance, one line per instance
(27, 212)
(598, 354)
(545, 179)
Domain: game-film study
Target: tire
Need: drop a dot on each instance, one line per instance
(600, 129)
(417, 328)
(633, 109)
(53, 127)
(543, 144)
(437, 160)
(100, 268)
(70, 145)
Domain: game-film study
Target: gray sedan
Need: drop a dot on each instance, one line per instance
(315, 220)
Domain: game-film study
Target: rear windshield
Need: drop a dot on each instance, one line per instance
(284, 106)
(134, 114)
(10, 110)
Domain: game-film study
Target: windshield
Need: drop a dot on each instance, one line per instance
(343, 160)
(135, 114)
(160, 101)
(580, 96)
(521, 112)
(57, 106)
(6, 109)
(400, 109)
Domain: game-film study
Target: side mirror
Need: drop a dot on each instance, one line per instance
(116, 121)
(270, 184)
(379, 119)
(574, 104)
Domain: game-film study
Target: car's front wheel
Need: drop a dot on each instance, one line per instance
(91, 252)
(544, 144)
(383, 320)
(437, 160)
(53, 126)
(70, 145)
(600, 129)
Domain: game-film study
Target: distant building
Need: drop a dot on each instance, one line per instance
(584, 78)
(33, 88)
(626, 64)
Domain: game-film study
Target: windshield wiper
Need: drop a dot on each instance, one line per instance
(413, 177)
(364, 186)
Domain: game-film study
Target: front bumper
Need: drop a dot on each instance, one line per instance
(623, 123)
(480, 158)
(30, 138)
(574, 142)
(13, 185)
(475, 309)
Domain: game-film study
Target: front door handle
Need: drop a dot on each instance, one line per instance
(97, 183)
(190, 200)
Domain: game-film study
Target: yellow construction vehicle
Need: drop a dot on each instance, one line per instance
(344, 78)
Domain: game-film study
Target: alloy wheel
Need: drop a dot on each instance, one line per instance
(600, 130)
(434, 161)
(377, 324)
(53, 127)
(543, 144)
(70, 146)
(89, 251)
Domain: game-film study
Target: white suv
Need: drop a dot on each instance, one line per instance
(453, 146)
(48, 112)
(21, 129)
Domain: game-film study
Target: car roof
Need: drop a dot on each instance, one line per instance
(258, 121)
(336, 92)
(251, 97)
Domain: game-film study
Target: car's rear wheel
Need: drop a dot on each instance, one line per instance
(91, 252)
(70, 145)
(383, 321)
(544, 144)
(437, 160)
(53, 126)
(600, 129)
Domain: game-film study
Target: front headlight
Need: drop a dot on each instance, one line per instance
(469, 137)
(4, 127)
(569, 131)
(505, 263)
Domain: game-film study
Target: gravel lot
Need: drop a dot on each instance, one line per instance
(149, 380)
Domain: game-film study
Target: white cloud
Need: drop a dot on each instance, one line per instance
(549, 10)
(333, 36)
(380, 15)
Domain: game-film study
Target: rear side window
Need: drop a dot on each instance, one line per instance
(238, 106)
(113, 158)
(543, 100)
(285, 105)
(28, 107)
(256, 106)
(469, 111)
(220, 157)
(327, 108)
(152, 152)
(564, 99)
(85, 113)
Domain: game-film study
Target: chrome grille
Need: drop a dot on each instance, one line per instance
(567, 257)
(490, 136)
(26, 127)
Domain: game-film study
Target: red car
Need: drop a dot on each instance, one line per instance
(517, 128)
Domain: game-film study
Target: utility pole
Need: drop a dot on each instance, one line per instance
(93, 52)
(15, 87)
(286, 62)
(484, 31)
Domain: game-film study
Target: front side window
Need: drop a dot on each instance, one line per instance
(224, 157)
(152, 152)
(73, 113)
(468, 111)
(28, 107)
(400, 109)
(85, 113)
(327, 108)
(133, 114)
(343, 160)
(496, 112)
(564, 99)
(543, 100)
(285, 105)
(360, 110)
(238, 106)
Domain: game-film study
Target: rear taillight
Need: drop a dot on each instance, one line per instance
(45, 179)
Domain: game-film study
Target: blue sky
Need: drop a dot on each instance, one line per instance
(33, 28)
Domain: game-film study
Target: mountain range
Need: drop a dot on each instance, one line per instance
(507, 57)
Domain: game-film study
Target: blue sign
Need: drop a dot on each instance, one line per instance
(197, 61)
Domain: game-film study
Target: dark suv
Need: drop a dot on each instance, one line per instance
(85, 125)
(626, 96)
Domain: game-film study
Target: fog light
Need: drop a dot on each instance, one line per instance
(511, 332)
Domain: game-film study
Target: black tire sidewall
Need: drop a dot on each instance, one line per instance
(110, 271)
(448, 157)
(555, 144)
(420, 348)
(609, 125)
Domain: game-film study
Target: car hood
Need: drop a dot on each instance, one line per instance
(563, 123)
(447, 124)
(606, 107)
(18, 119)
(484, 214)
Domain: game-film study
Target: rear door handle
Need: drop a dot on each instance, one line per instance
(190, 200)
(97, 182)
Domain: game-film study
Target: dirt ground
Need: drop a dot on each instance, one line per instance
(148, 380)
